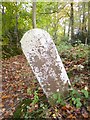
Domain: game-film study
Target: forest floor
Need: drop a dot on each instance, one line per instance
(17, 79)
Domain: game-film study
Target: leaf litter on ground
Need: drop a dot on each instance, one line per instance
(17, 79)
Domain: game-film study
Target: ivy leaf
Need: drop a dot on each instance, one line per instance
(55, 96)
(59, 99)
(85, 92)
(78, 103)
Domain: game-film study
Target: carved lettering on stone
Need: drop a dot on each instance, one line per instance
(42, 55)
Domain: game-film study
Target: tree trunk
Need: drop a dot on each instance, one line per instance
(84, 31)
(16, 27)
(55, 26)
(3, 10)
(79, 16)
(72, 22)
(64, 31)
(34, 15)
(83, 20)
(89, 22)
(69, 27)
(17, 31)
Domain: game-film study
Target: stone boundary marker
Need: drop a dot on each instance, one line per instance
(43, 57)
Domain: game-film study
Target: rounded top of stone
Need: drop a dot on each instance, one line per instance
(36, 32)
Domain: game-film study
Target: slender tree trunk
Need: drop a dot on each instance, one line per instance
(64, 31)
(72, 22)
(17, 30)
(55, 33)
(69, 26)
(84, 38)
(16, 27)
(3, 10)
(34, 14)
(83, 21)
(55, 25)
(89, 22)
(79, 16)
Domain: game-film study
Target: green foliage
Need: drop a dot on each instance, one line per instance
(80, 52)
(75, 93)
(51, 16)
(15, 22)
(85, 92)
(64, 39)
(73, 53)
(63, 46)
(58, 99)
(8, 51)
(77, 97)
(22, 108)
(74, 97)
(29, 91)
(27, 109)
(22, 111)
(36, 98)
(77, 102)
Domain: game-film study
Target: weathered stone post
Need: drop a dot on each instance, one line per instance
(42, 55)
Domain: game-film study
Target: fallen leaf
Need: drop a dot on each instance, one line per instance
(3, 110)
(6, 96)
(71, 117)
(36, 106)
(1, 105)
(85, 115)
(67, 107)
(54, 115)
(6, 114)
(88, 108)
